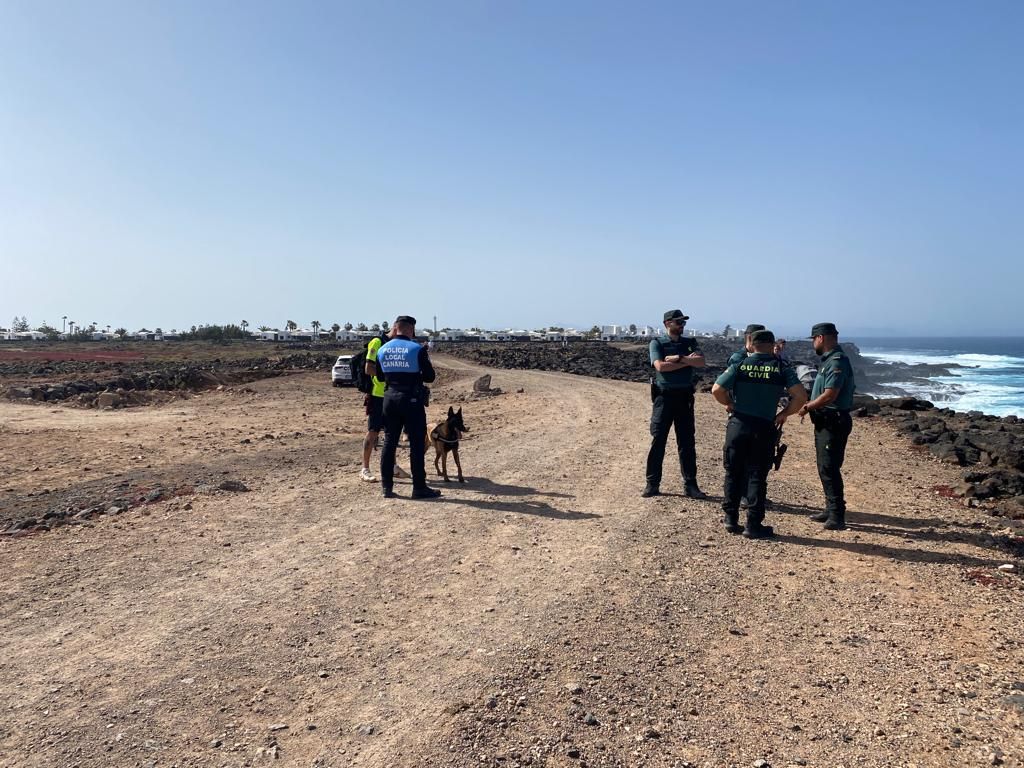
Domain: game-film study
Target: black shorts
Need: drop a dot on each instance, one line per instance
(375, 414)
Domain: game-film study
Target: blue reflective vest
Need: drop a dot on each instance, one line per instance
(399, 356)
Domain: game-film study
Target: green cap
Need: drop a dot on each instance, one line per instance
(824, 329)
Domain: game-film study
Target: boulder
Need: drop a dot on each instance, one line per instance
(108, 400)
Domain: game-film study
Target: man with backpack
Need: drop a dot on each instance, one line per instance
(373, 388)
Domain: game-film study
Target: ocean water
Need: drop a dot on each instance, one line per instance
(991, 381)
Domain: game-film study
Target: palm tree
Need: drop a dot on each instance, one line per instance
(335, 327)
(64, 325)
(316, 330)
(291, 325)
(245, 324)
(348, 326)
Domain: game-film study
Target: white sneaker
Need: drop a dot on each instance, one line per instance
(400, 473)
(366, 475)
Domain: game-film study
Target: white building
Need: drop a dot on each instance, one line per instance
(273, 335)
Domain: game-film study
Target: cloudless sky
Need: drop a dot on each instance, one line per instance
(514, 164)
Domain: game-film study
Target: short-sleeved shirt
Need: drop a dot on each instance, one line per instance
(371, 357)
(737, 357)
(835, 372)
(757, 384)
(663, 347)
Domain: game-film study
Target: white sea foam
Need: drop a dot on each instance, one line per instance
(992, 383)
(973, 360)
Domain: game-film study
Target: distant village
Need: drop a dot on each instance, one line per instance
(20, 331)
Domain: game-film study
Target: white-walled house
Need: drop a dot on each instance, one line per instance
(273, 335)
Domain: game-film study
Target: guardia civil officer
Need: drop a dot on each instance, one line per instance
(405, 367)
(674, 357)
(829, 409)
(740, 354)
(750, 391)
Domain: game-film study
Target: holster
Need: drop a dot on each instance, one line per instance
(825, 419)
(655, 390)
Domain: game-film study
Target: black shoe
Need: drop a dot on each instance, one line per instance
(835, 523)
(425, 493)
(744, 504)
(758, 531)
(691, 491)
(732, 523)
(819, 517)
(650, 490)
(388, 493)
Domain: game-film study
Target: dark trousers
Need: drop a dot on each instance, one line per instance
(831, 433)
(672, 408)
(403, 410)
(747, 455)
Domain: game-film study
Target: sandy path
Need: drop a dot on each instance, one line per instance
(485, 628)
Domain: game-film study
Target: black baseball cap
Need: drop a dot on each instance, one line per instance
(762, 337)
(675, 314)
(752, 328)
(406, 319)
(824, 329)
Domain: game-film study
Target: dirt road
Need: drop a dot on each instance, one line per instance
(541, 614)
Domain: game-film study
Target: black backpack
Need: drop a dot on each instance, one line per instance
(363, 382)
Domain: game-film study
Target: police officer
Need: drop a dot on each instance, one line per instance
(750, 391)
(405, 367)
(674, 359)
(829, 408)
(740, 354)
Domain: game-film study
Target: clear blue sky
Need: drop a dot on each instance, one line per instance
(514, 163)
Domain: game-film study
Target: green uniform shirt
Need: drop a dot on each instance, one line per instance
(835, 372)
(371, 357)
(664, 347)
(757, 384)
(737, 357)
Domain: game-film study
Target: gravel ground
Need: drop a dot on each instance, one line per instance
(541, 614)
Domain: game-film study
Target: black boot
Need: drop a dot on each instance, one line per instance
(650, 490)
(819, 517)
(692, 491)
(836, 522)
(755, 528)
(732, 522)
(758, 531)
(388, 493)
(425, 493)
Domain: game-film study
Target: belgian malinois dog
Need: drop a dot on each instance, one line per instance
(445, 438)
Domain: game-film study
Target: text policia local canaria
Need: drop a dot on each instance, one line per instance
(395, 359)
